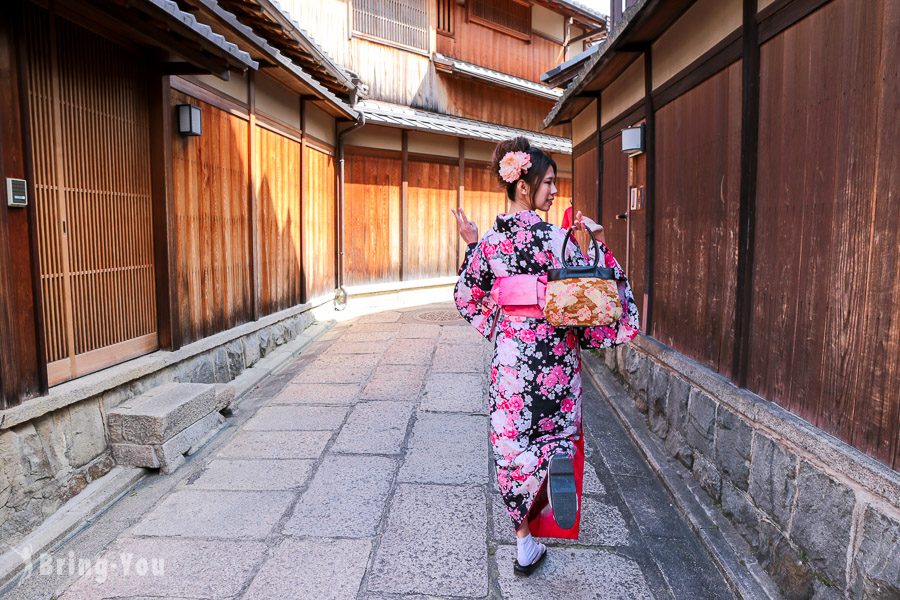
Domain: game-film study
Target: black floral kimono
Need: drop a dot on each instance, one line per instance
(535, 390)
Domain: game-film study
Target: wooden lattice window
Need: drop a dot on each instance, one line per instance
(509, 16)
(445, 16)
(399, 22)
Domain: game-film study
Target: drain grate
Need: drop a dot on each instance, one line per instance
(439, 316)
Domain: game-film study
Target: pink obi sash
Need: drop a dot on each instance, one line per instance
(521, 295)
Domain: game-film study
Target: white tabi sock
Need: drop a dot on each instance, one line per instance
(528, 550)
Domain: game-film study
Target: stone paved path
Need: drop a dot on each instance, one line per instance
(362, 471)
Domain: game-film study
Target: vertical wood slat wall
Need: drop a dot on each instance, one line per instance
(89, 118)
(211, 182)
(278, 196)
(318, 223)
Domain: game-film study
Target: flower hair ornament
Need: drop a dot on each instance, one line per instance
(514, 165)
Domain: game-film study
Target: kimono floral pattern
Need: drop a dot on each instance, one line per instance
(535, 377)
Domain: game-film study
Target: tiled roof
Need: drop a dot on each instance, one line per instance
(393, 115)
(187, 21)
(497, 78)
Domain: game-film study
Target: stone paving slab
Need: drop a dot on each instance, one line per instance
(374, 327)
(601, 525)
(350, 347)
(387, 316)
(409, 352)
(434, 543)
(395, 382)
(346, 498)
(318, 393)
(276, 444)
(460, 333)
(455, 392)
(336, 361)
(652, 508)
(576, 574)
(447, 448)
(306, 569)
(215, 514)
(374, 428)
(296, 418)
(170, 569)
(330, 371)
(244, 475)
(419, 330)
(458, 358)
(367, 337)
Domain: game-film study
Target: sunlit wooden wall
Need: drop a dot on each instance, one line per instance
(278, 196)
(212, 223)
(431, 228)
(318, 222)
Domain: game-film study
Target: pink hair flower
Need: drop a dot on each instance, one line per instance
(513, 165)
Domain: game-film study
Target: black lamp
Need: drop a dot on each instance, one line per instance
(189, 120)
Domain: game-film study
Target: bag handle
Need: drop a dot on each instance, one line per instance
(566, 243)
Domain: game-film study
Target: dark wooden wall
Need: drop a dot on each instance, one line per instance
(585, 185)
(211, 179)
(318, 222)
(825, 334)
(698, 145)
(615, 197)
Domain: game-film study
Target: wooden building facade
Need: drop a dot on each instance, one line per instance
(759, 227)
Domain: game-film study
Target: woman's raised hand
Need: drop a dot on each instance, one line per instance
(468, 230)
(583, 223)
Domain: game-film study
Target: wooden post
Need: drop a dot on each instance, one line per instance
(304, 296)
(164, 230)
(747, 208)
(254, 203)
(460, 191)
(650, 200)
(404, 200)
(599, 161)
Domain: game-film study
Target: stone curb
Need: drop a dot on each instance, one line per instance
(104, 492)
(718, 536)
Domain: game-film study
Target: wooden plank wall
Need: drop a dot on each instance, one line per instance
(278, 198)
(483, 199)
(212, 223)
(585, 187)
(318, 223)
(371, 217)
(615, 197)
(698, 144)
(825, 332)
(431, 228)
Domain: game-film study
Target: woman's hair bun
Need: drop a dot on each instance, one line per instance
(516, 144)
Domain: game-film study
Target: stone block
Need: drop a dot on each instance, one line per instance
(346, 498)
(375, 428)
(172, 452)
(318, 393)
(409, 352)
(276, 444)
(215, 514)
(458, 358)
(447, 448)
(821, 523)
(772, 483)
(135, 455)
(84, 433)
(157, 415)
(609, 358)
(701, 422)
(419, 554)
(876, 565)
(301, 569)
(454, 392)
(708, 476)
(168, 568)
(247, 475)
(738, 507)
(784, 563)
(733, 444)
(574, 573)
(657, 394)
(250, 344)
(395, 382)
(677, 402)
(297, 418)
(351, 348)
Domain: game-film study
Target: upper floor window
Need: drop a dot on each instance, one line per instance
(445, 16)
(510, 16)
(400, 22)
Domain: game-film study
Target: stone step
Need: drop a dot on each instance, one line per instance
(165, 411)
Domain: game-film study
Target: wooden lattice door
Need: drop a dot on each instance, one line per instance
(90, 136)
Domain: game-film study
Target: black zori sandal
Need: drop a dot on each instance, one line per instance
(528, 569)
(561, 491)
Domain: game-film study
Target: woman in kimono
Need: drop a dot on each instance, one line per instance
(535, 378)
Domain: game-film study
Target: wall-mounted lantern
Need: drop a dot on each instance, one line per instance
(189, 120)
(633, 140)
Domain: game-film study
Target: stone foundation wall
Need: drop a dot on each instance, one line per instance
(822, 518)
(50, 458)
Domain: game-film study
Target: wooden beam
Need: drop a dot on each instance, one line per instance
(782, 14)
(747, 208)
(650, 200)
(404, 199)
(254, 204)
(460, 190)
(162, 189)
(304, 296)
